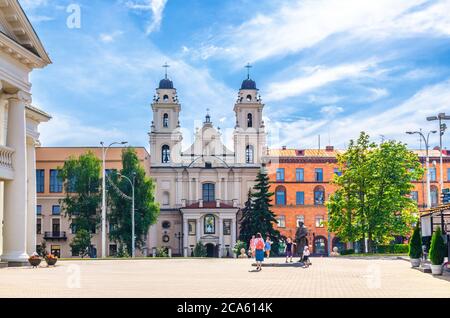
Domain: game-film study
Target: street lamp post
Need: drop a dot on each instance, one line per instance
(133, 237)
(104, 151)
(442, 127)
(427, 160)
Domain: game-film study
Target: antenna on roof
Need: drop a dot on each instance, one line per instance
(319, 141)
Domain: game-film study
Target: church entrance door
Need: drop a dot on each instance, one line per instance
(210, 250)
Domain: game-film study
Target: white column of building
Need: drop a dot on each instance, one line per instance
(15, 208)
(219, 188)
(220, 236)
(185, 236)
(198, 230)
(178, 188)
(31, 193)
(233, 231)
(237, 195)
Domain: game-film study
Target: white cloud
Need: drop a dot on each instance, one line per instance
(297, 25)
(376, 94)
(32, 4)
(66, 130)
(331, 110)
(392, 123)
(156, 7)
(316, 77)
(110, 37)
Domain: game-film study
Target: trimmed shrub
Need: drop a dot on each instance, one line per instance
(401, 248)
(415, 244)
(200, 250)
(347, 251)
(162, 252)
(437, 249)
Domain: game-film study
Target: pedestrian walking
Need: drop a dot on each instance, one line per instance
(268, 246)
(259, 251)
(252, 246)
(306, 253)
(289, 249)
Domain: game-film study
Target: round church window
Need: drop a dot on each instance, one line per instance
(166, 225)
(166, 238)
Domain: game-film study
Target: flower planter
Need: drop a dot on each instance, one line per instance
(34, 261)
(51, 261)
(436, 269)
(415, 262)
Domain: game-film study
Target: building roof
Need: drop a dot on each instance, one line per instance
(248, 84)
(331, 153)
(165, 83)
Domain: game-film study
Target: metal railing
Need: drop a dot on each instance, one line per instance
(55, 235)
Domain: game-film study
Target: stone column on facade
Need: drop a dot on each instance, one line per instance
(233, 233)
(198, 230)
(219, 188)
(237, 194)
(220, 236)
(15, 193)
(185, 236)
(31, 194)
(178, 188)
(153, 236)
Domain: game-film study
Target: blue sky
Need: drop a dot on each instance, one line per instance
(329, 68)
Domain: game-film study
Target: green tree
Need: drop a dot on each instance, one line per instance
(257, 215)
(247, 220)
(373, 196)
(146, 209)
(81, 177)
(81, 243)
(200, 250)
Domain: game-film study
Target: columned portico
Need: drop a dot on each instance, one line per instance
(15, 193)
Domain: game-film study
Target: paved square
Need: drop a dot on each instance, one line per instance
(327, 277)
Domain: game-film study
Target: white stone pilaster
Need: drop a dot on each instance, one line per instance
(31, 194)
(15, 208)
(198, 230)
(185, 236)
(220, 237)
(233, 232)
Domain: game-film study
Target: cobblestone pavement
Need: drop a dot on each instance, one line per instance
(327, 277)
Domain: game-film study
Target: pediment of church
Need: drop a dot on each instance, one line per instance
(18, 37)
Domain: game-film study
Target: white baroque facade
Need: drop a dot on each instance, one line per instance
(20, 52)
(201, 189)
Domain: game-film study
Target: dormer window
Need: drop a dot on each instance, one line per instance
(165, 98)
(165, 120)
(249, 98)
(249, 120)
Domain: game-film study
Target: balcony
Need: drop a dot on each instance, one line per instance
(6, 167)
(200, 204)
(55, 235)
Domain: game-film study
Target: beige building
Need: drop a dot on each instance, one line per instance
(52, 226)
(21, 51)
(202, 188)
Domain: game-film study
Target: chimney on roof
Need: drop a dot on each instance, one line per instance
(283, 147)
(329, 148)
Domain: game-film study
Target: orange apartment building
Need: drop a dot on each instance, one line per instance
(52, 225)
(301, 180)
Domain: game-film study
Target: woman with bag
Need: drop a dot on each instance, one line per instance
(259, 251)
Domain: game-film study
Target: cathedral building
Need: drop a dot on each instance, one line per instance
(202, 188)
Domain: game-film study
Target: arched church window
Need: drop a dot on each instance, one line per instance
(165, 154)
(209, 192)
(165, 120)
(165, 98)
(210, 224)
(249, 98)
(249, 154)
(249, 120)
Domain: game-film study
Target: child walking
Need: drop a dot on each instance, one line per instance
(268, 246)
(289, 249)
(306, 254)
(252, 246)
